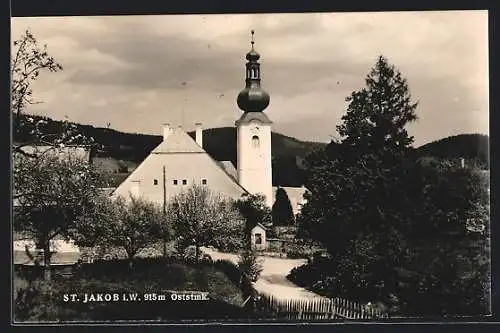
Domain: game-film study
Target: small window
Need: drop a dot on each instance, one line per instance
(155, 181)
(184, 182)
(258, 239)
(204, 181)
(255, 141)
(175, 181)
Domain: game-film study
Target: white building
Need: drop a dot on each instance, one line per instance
(179, 161)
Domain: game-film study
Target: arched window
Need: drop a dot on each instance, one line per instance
(255, 141)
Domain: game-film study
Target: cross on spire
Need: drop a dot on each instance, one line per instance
(252, 42)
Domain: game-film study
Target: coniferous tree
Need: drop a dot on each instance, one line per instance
(282, 211)
(354, 195)
(399, 231)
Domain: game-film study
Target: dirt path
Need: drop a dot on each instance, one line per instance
(273, 279)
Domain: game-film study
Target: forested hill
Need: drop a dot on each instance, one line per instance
(220, 143)
(472, 147)
(287, 152)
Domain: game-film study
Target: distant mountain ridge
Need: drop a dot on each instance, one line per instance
(472, 147)
(124, 150)
(220, 143)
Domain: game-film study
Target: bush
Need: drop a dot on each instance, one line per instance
(249, 265)
(236, 276)
(41, 301)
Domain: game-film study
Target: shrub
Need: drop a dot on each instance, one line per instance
(40, 301)
(249, 265)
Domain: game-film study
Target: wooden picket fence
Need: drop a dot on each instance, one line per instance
(319, 309)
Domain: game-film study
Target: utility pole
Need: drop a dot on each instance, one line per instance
(164, 212)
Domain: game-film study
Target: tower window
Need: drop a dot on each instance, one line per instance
(204, 181)
(184, 182)
(255, 141)
(175, 181)
(155, 181)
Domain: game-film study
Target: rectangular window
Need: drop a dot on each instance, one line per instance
(175, 181)
(184, 182)
(204, 181)
(155, 181)
(258, 239)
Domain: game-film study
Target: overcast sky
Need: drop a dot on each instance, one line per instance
(137, 72)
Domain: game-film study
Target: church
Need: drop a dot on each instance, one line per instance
(180, 161)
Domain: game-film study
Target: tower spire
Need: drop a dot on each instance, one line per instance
(253, 98)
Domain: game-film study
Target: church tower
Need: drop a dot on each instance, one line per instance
(254, 133)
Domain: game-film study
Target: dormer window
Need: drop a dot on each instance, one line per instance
(155, 181)
(184, 182)
(175, 181)
(204, 181)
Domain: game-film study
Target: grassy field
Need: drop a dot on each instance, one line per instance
(37, 300)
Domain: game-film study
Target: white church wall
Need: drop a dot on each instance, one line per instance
(179, 168)
(254, 159)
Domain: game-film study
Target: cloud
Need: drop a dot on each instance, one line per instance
(139, 71)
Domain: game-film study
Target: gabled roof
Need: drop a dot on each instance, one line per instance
(178, 141)
(260, 226)
(229, 169)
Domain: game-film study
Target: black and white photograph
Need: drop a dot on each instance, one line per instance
(247, 168)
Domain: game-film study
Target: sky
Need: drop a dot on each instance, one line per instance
(137, 72)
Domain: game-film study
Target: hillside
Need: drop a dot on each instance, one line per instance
(474, 148)
(123, 151)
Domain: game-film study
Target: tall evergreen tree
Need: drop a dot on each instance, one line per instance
(354, 203)
(282, 211)
(410, 234)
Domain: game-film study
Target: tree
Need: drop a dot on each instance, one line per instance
(28, 61)
(450, 261)
(201, 217)
(131, 224)
(353, 207)
(50, 193)
(254, 210)
(399, 231)
(282, 211)
(378, 114)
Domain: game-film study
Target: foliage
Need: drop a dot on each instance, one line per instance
(237, 276)
(474, 148)
(51, 192)
(220, 143)
(147, 276)
(282, 211)
(131, 223)
(376, 209)
(254, 210)
(249, 264)
(201, 217)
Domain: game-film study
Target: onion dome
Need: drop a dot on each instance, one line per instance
(253, 98)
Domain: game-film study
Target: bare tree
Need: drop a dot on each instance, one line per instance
(29, 61)
(203, 218)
